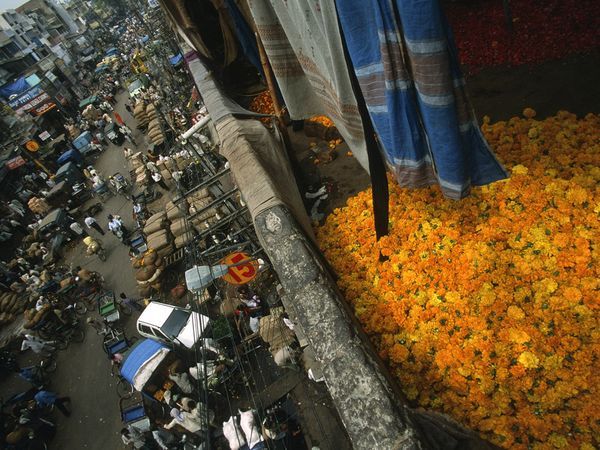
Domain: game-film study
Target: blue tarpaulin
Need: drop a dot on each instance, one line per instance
(69, 155)
(144, 39)
(176, 59)
(141, 352)
(101, 68)
(112, 51)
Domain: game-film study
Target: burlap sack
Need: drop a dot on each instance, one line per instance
(184, 239)
(179, 226)
(153, 227)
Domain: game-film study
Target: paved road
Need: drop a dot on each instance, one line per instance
(83, 370)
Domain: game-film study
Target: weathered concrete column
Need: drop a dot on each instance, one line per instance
(360, 393)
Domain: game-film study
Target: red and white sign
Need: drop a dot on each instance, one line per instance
(14, 163)
(244, 269)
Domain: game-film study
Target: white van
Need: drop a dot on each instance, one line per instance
(171, 324)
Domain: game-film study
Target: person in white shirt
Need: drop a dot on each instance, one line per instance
(157, 177)
(93, 223)
(152, 167)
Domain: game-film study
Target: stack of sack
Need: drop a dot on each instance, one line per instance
(139, 112)
(11, 304)
(149, 268)
(155, 132)
(158, 234)
(33, 317)
(202, 218)
(140, 174)
(182, 232)
(38, 206)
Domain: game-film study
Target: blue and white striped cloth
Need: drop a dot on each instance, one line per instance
(408, 71)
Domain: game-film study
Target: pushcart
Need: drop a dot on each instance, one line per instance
(109, 308)
(133, 413)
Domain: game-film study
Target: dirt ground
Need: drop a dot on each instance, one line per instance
(570, 84)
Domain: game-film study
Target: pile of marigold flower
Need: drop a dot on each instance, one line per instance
(487, 308)
(263, 104)
(323, 120)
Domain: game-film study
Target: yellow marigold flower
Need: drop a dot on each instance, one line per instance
(518, 337)
(516, 313)
(558, 441)
(520, 170)
(529, 113)
(529, 360)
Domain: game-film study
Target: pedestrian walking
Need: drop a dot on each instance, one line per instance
(77, 230)
(93, 223)
(126, 131)
(128, 108)
(157, 177)
(127, 152)
(48, 398)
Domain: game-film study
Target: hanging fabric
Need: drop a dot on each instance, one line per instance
(404, 58)
(303, 43)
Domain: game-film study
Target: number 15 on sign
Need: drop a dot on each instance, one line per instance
(243, 268)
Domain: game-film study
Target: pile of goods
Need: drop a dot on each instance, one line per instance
(139, 112)
(38, 206)
(262, 104)
(155, 133)
(11, 304)
(35, 251)
(140, 174)
(174, 163)
(72, 130)
(33, 317)
(541, 31)
(201, 216)
(277, 335)
(90, 113)
(158, 234)
(487, 308)
(92, 248)
(148, 271)
(321, 127)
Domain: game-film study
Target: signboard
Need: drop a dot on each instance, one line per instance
(45, 135)
(12, 164)
(32, 146)
(24, 98)
(43, 109)
(244, 269)
(51, 76)
(34, 100)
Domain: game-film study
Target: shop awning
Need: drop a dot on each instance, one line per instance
(87, 101)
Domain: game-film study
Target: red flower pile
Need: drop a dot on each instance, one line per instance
(542, 30)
